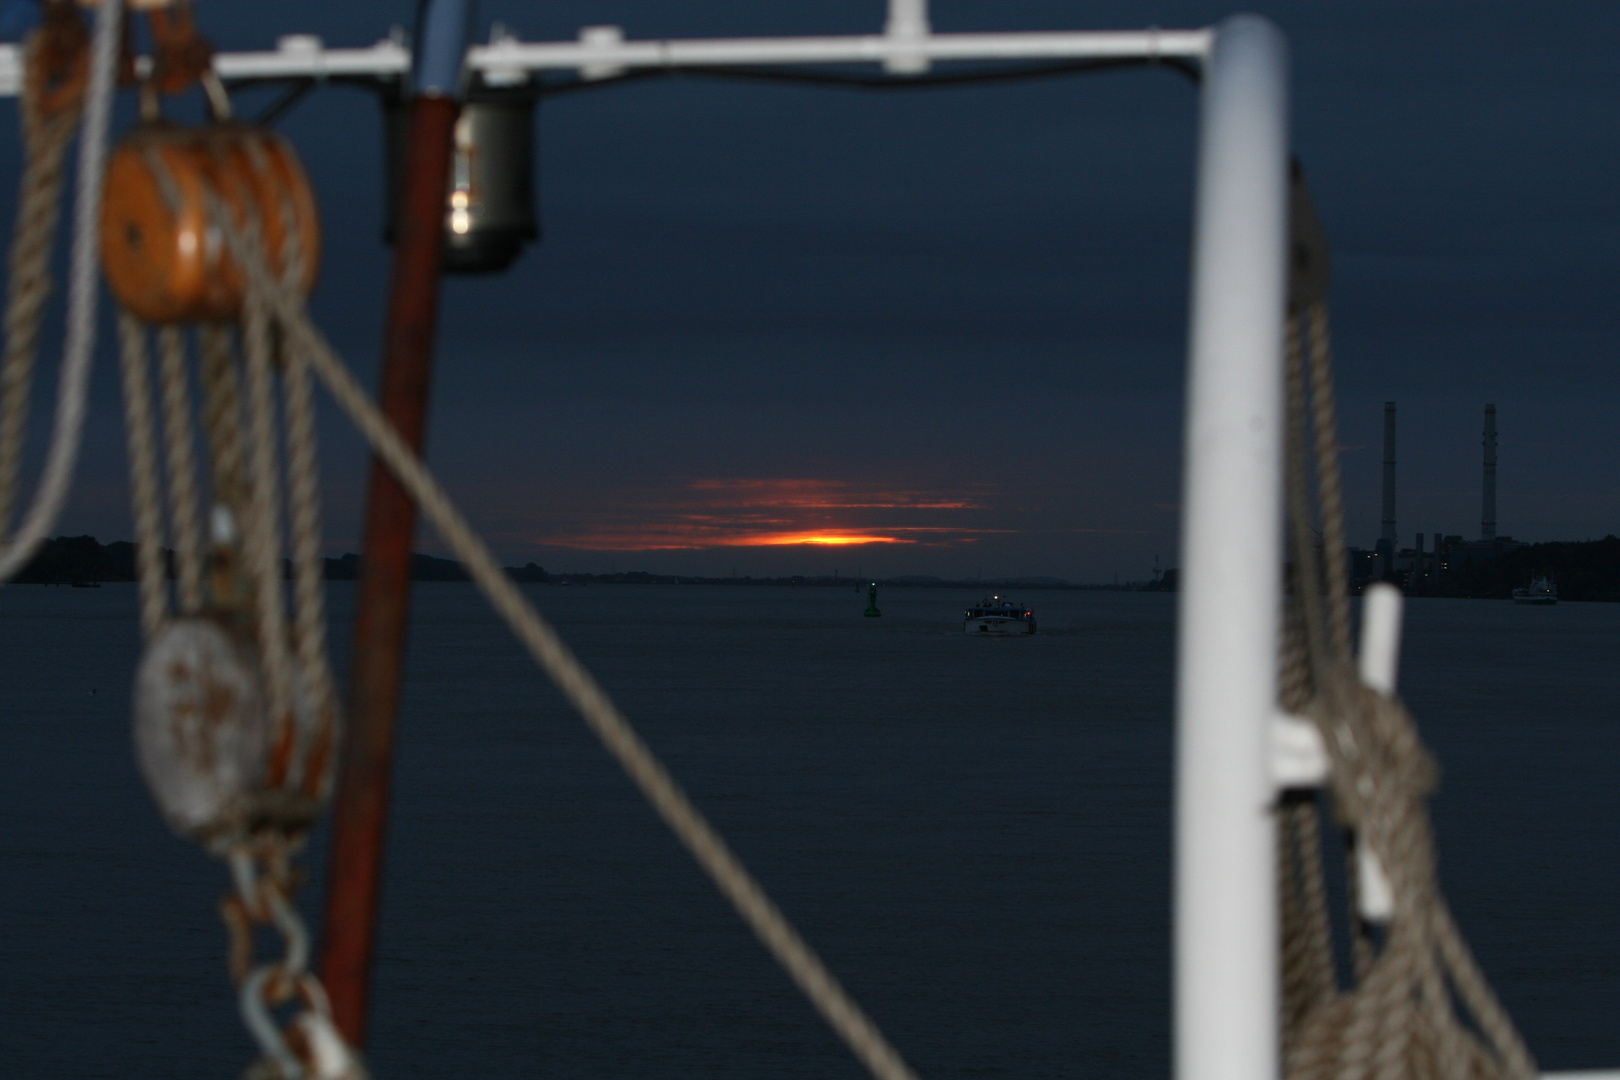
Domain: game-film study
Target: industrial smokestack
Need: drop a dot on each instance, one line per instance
(1389, 474)
(1487, 517)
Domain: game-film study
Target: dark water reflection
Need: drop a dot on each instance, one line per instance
(974, 833)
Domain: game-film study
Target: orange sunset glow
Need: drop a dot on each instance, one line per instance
(775, 539)
(801, 538)
(727, 513)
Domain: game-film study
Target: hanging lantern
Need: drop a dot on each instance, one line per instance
(489, 210)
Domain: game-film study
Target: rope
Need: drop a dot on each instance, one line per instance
(222, 416)
(73, 387)
(262, 537)
(1307, 943)
(181, 465)
(1418, 1007)
(1329, 485)
(304, 511)
(733, 880)
(145, 497)
(45, 141)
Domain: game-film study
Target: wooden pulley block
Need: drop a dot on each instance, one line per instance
(202, 737)
(165, 261)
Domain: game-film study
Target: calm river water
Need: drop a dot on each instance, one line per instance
(974, 833)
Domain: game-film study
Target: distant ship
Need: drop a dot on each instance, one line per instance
(1542, 591)
(995, 615)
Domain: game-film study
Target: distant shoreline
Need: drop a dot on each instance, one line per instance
(1587, 570)
(83, 560)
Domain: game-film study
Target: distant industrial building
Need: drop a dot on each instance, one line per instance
(1420, 564)
(1387, 538)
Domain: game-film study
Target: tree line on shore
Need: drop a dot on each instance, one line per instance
(82, 560)
(1583, 570)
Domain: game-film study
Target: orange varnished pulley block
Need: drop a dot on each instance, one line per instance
(165, 260)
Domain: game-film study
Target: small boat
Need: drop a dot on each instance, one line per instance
(1542, 591)
(997, 615)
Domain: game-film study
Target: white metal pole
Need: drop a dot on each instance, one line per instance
(906, 46)
(907, 25)
(1226, 689)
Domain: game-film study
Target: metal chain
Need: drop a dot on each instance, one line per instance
(306, 1046)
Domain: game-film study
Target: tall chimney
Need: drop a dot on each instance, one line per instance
(1487, 522)
(1388, 537)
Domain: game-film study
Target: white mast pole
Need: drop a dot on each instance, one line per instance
(1226, 688)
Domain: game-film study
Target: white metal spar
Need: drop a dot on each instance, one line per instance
(1226, 930)
(603, 50)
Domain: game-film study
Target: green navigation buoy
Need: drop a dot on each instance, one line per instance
(872, 611)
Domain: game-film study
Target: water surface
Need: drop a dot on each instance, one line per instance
(975, 834)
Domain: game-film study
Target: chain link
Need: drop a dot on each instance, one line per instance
(305, 1045)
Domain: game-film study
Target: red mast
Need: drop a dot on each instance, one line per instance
(383, 606)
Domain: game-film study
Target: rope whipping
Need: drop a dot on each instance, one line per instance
(73, 386)
(722, 865)
(1415, 1005)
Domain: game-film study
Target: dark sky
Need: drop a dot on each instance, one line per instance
(956, 318)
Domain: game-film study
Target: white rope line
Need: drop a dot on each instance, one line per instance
(734, 881)
(304, 511)
(143, 475)
(73, 388)
(181, 465)
(222, 416)
(304, 522)
(261, 539)
(45, 138)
